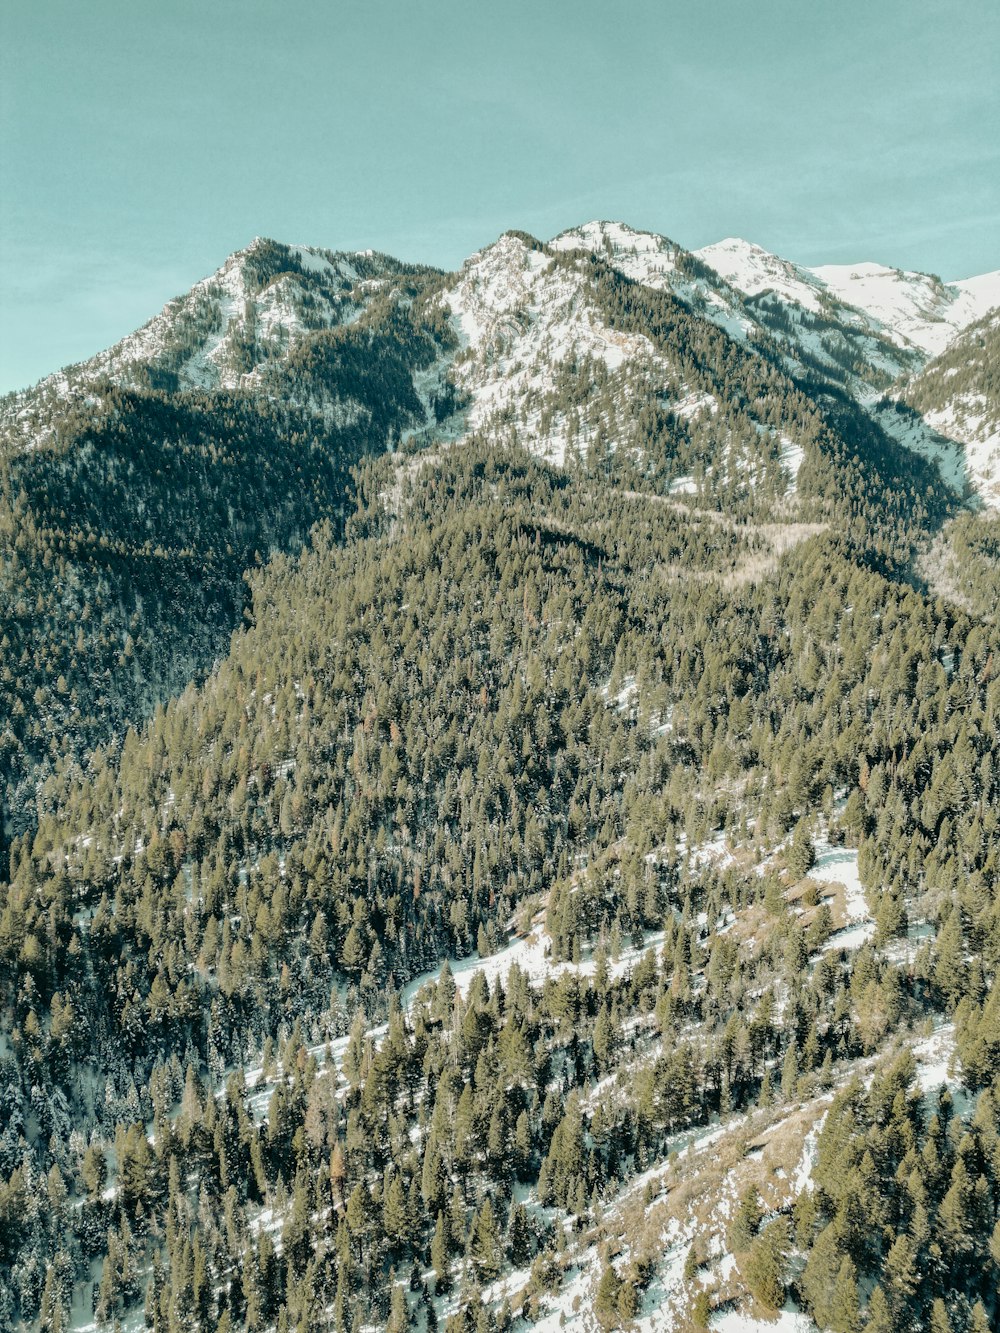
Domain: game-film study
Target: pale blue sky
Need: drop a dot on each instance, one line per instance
(141, 141)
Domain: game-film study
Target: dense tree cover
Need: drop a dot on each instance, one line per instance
(966, 376)
(974, 543)
(905, 1208)
(497, 692)
(125, 535)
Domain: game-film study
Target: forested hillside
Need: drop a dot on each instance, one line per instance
(126, 528)
(569, 896)
(958, 393)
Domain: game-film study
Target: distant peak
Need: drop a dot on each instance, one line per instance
(737, 243)
(600, 233)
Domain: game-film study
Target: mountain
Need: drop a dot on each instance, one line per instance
(552, 350)
(500, 804)
(234, 331)
(137, 488)
(153, 475)
(872, 305)
(958, 394)
(916, 311)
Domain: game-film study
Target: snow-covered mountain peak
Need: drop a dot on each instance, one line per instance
(981, 293)
(611, 238)
(546, 353)
(233, 330)
(753, 270)
(493, 282)
(643, 256)
(916, 311)
(914, 308)
(229, 326)
(521, 315)
(658, 262)
(530, 329)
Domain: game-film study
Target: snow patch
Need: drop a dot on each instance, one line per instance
(787, 1321)
(934, 1055)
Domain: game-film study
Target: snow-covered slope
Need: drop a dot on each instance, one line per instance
(658, 262)
(871, 318)
(916, 311)
(230, 331)
(543, 355)
(912, 308)
(532, 337)
(957, 397)
(757, 297)
(238, 329)
(753, 270)
(520, 318)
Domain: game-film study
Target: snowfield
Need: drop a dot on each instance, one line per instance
(914, 310)
(753, 270)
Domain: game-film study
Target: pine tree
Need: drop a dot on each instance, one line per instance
(819, 1277)
(399, 1314)
(485, 1243)
(790, 1072)
(522, 1146)
(395, 1212)
(800, 855)
(358, 1216)
(606, 1300)
(844, 1317)
(746, 1221)
(702, 1312)
(900, 1277)
(94, 1170)
(439, 1253)
(950, 967)
(518, 1236)
(980, 1319)
(602, 1037)
(940, 1323)
(765, 1264)
(955, 1217)
(445, 996)
(878, 1317)
(628, 1301)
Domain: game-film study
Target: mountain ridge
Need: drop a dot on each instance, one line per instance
(234, 329)
(981, 292)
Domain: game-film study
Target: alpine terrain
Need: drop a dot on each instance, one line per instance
(499, 800)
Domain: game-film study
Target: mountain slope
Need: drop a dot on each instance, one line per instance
(524, 699)
(916, 311)
(546, 351)
(569, 356)
(912, 307)
(753, 295)
(568, 898)
(869, 318)
(610, 350)
(231, 327)
(958, 395)
(129, 513)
